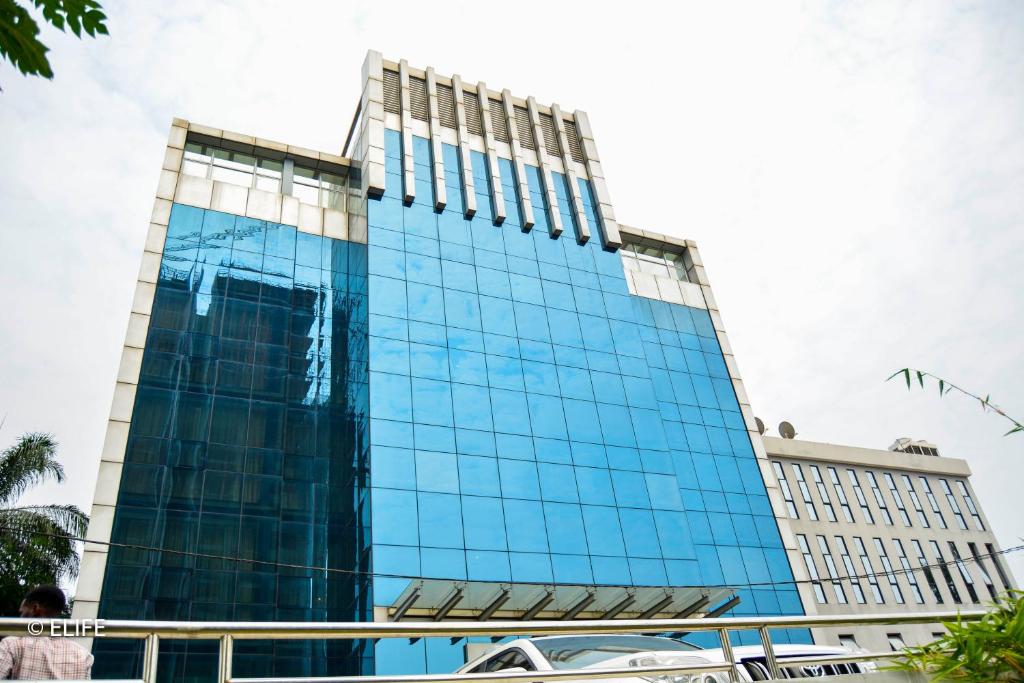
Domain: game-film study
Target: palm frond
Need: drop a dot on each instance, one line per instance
(68, 518)
(28, 462)
(44, 536)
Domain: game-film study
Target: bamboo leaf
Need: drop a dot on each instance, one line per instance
(920, 378)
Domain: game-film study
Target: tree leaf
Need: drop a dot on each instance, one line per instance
(18, 42)
(30, 461)
(920, 378)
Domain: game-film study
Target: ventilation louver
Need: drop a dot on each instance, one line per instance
(574, 141)
(547, 129)
(498, 121)
(418, 107)
(392, 88)
(446, 105)
(474, 124)
(524, 128)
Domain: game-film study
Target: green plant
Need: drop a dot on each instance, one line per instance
(990, 649)
(19, 41)
(36, 541)
(945, 386)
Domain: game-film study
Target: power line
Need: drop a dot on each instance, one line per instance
(371, 574)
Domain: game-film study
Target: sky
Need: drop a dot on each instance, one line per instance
(852, 172)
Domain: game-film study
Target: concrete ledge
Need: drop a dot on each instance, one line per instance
(868, 457)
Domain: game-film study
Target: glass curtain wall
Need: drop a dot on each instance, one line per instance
(531, 421)
(248, 450)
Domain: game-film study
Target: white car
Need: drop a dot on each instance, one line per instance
(549, 653)
(754, 667)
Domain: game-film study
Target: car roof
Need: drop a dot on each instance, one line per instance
(603, 635)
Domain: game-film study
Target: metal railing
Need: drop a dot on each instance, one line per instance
(226, 633)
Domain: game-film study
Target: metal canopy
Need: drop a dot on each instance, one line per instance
(442, 599)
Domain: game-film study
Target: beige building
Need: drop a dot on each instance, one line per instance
(882, 531)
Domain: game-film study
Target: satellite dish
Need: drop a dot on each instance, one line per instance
(760, 425)
(786, 430)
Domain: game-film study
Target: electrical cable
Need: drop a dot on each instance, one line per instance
(370, 574)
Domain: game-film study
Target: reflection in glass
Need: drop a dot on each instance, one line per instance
(252, 405)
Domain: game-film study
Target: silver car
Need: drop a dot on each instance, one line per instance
(551, 653)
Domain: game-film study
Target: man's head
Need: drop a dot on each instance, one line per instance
(43, 602)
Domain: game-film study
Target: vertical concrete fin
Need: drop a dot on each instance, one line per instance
(497, 194)
(436, 151)
(554, 217)
(465, 158)
(408, 172)
(610, 237)
(525, 205)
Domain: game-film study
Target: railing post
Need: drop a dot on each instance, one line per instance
(227, 646)
(150, 656)
(769, 653)
(730, 658)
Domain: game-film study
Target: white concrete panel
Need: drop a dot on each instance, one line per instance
(289, 211)
(741, 391)
(357, 229)
(90, 576)
(101, 517)
(311, 219)
(130, 366)
(115, 442)
(692, 295)
(143, 301)
(165, 186)
(668, 290)
(161, 212)
(149, 269)
(193, 191)
(176, 139)
(123, 403)
(138, 327)
(646, 285)
(335, 224)
(108, 481)
(156, 237)
(420, 129)
(709, 297)
(84, 609)
(265, 206)
(716, 320)
(172, 159)
(229, 198)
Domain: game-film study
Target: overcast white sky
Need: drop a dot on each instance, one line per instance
(853, 174)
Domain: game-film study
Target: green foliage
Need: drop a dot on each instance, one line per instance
(36, 541)
(19, 32)
(945, 386)
(991, 649)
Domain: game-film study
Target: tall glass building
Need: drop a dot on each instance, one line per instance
(432, 377)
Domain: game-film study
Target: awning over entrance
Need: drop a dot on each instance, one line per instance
(439, 599)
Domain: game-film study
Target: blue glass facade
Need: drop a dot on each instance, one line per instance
(248, 440)
(318, 422)
(531, 421)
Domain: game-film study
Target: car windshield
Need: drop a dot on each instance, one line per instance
(579, 652)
